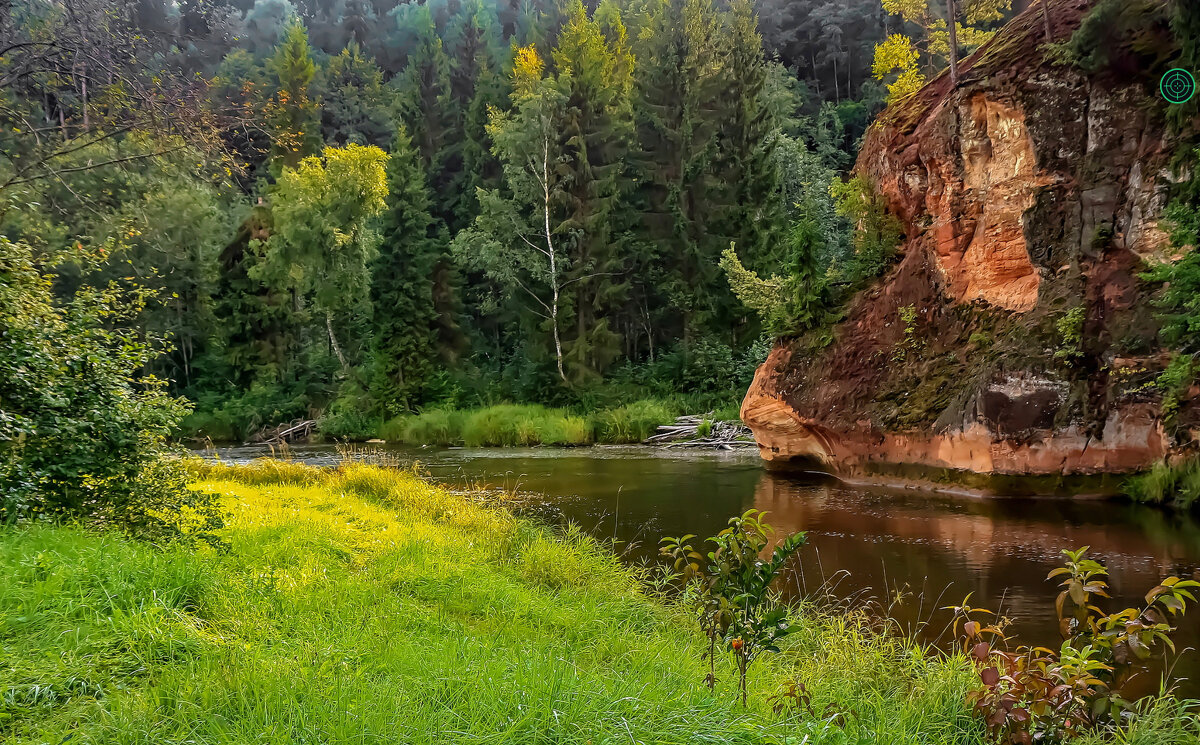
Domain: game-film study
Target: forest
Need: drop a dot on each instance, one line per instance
(350, 210)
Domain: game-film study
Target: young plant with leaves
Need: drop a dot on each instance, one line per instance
(1035, 694)
(731, 589)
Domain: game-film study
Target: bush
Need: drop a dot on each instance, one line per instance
(82, 430)
(350, 417)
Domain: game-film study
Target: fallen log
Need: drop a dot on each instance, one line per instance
(685, 432)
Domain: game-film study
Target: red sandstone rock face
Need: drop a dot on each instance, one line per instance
(1029, 190)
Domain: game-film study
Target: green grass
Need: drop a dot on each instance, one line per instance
(1176, 485)
(365, 605)
(507, 425)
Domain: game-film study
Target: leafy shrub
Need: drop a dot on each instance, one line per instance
(350, 417)
(82, 431)
(1034, 694)
(1070, 335)
(1174, 382)
(876, 234)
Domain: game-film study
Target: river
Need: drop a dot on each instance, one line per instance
(929, 549)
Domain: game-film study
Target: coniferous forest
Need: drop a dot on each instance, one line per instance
(353, 209)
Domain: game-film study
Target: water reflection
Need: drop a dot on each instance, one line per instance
(932, 548)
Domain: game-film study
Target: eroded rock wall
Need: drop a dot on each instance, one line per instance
(1030, 194)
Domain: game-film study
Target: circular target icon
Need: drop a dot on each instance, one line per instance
(1178, 86)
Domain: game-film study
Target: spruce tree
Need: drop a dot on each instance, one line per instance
(595, 65)
(356, 107)
(473, 41)
(406, 319)
(677, 117)
(751, 217)
(292, 112)
(428, 110)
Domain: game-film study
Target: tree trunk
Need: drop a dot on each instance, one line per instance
(333, 342)
(558, 354)
(952, 26)
(1046, 21)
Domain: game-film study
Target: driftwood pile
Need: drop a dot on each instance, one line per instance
(685, 433)
(297, 430)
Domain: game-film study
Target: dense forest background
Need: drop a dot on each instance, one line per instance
(353, 209)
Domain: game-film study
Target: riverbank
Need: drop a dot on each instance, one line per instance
(363, 603)
(500, 425)
(368, 603)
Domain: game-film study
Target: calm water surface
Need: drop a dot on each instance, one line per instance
(930, 548)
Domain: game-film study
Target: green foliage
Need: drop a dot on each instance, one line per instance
(80, 423)
(731, 590)
(324, 239)
(1173, 484)
(292, 113)
(670, 132)
(931, 45)
(403, 286)
(1037, 694)
(509, 425)
(1070, 335)
(909, 342)
(876, 232)
(632, 423)
(356, 106)
(434, 427)
(1174, 383)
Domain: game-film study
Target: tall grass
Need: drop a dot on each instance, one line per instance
(507, 425)
(1175, 485)
(365, 605)
(632, 423)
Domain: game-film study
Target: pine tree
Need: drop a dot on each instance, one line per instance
(406, 318)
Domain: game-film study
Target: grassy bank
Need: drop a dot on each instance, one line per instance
(509, 425)
(1174, 485)
(613, 420)
(365, 605)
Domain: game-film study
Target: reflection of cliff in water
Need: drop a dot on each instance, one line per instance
(936, 549)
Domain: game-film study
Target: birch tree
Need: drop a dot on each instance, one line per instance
(519, 239)
(324, 239)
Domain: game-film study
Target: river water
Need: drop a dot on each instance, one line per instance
(928, 549)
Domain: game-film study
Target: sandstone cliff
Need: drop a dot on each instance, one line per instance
(1030, 195)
